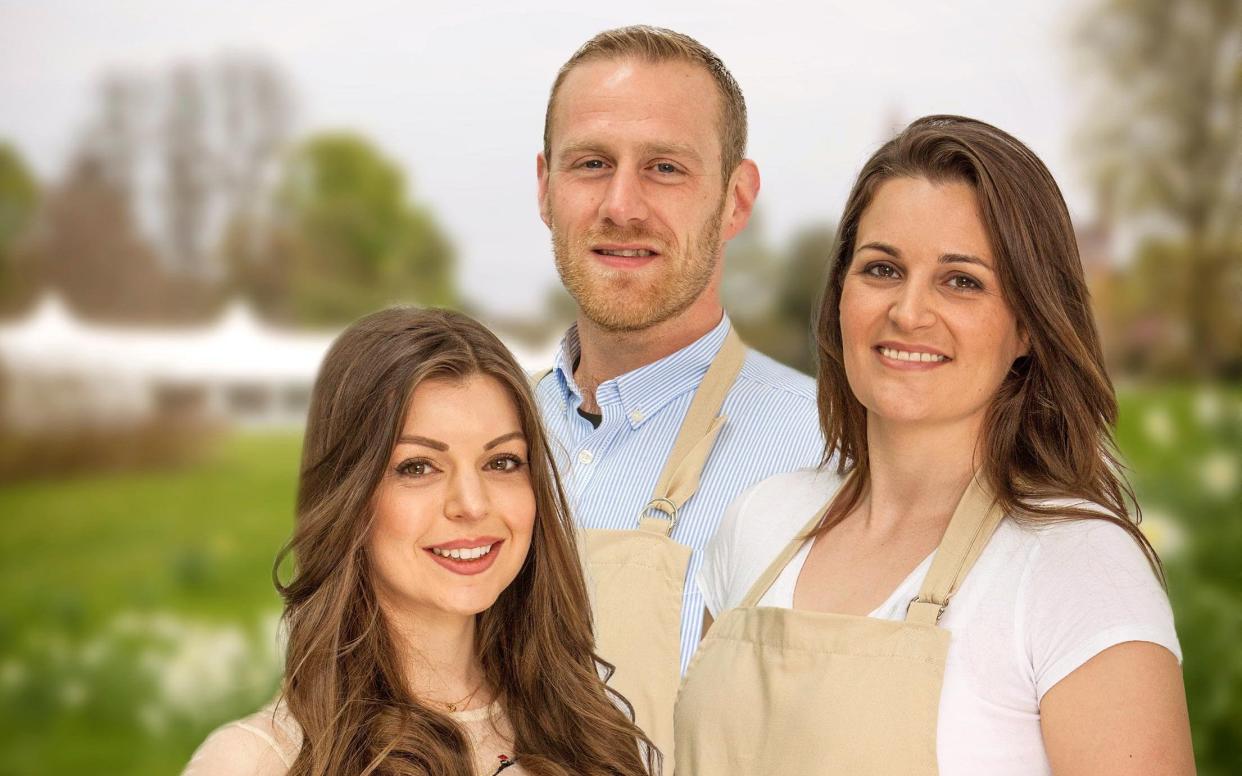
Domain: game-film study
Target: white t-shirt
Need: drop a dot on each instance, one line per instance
(1039, 602)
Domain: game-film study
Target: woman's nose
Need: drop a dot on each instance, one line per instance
(467, 497)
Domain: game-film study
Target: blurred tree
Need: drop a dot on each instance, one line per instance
(347, 239)
(1163, 142)
(19, 195)
(195, 152)
(87, 247)
(793, 279)
(187, 173)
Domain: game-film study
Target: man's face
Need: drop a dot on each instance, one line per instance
(633, 192)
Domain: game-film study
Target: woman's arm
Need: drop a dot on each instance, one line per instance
(1121, 712)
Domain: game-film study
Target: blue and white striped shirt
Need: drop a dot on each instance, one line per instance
(610, 472)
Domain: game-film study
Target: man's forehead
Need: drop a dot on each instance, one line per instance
(639, 96)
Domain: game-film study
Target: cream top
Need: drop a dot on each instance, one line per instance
(267, 742)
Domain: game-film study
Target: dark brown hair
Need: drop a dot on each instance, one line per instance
(344, 683)
(1048, 431)
(657, 45)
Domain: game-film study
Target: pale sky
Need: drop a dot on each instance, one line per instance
(456, 94)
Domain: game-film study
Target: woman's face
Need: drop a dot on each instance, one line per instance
(455, 509)
(927, 335)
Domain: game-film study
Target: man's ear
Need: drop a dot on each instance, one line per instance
(740, 198)
(541, 168)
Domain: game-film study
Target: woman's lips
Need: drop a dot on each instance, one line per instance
(466, 566)
(909, 360)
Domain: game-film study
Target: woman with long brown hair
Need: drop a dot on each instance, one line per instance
(961, 587)
(438, 622)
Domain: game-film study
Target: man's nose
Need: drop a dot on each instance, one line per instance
(466, 497)
(623, 201)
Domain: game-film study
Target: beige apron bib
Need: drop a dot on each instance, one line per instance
(637, 577)
(791, 692)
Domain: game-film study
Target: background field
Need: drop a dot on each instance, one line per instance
(138, 611)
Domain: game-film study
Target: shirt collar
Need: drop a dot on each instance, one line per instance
(643, 391)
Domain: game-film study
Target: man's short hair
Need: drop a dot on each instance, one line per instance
(657, 45)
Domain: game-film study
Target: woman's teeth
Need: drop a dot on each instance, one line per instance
(470, 553)
(903, 355)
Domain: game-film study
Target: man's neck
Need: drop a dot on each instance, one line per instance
(604, 354)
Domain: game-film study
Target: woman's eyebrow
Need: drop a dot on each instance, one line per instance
(504, 438)
(882, 247)
(964, 258)
(411, 439)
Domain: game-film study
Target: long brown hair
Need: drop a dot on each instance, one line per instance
(1048, 431)
(344, 683)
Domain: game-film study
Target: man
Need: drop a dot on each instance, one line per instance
(661, 415)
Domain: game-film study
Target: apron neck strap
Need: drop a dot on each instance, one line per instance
(972, 525)
(680, 478)
(775, 568)
(973, 522)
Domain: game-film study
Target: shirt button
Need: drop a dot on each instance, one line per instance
(636, 416)
(585, 457)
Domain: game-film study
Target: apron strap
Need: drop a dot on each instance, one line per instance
(775, 568)
(680, 478)
(970, 528)
(973, 522)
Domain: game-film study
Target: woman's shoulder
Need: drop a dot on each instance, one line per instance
(263, 744)
(786, 497)
(770, 512)
(756, 527)
(1079, 586)
(1076, 531)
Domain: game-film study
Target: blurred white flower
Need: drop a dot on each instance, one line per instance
(1158, 426)
(12, 673)
(1219, 473)
(1164, 533)
(204, 665)
(153, 718)
(73, 694)
(198, 665)
(1208, 406)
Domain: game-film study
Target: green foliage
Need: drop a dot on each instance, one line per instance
(19, 195)
(353, 241)
(779, 324)
(138, 611)
(1185, 448)
(1163, 142)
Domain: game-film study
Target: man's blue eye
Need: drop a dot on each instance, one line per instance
(666, 167)
(593, 164)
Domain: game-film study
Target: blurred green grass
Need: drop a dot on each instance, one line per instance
(138, 613)
(89, 565)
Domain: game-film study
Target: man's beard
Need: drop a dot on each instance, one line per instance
(619, 301)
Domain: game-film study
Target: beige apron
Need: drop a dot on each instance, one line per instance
(790, 692)
(637, 577)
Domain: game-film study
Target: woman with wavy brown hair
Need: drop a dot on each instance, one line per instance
(438, 622)
(961, 587)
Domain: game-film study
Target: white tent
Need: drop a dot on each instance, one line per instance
(61, 370)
